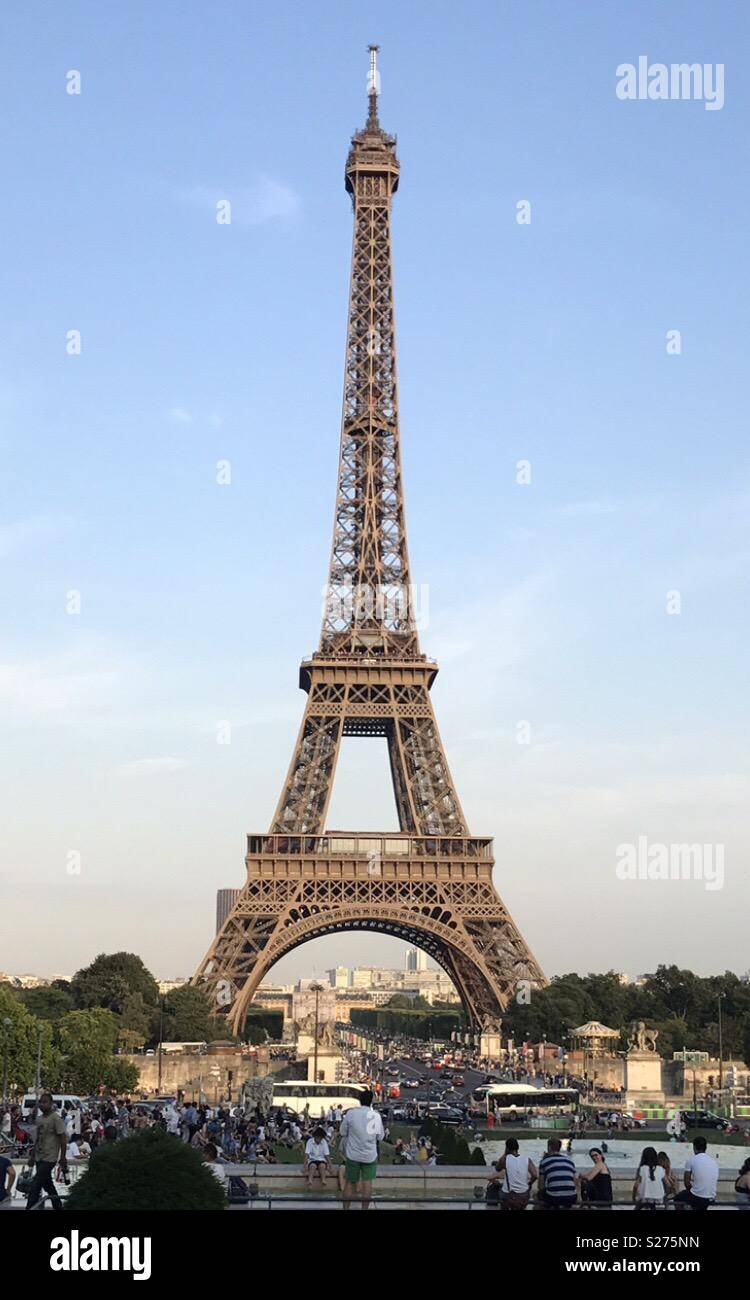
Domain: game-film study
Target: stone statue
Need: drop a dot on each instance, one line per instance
(490, 1024)
(327, 1035)
(642, 1039)
(306, 1025)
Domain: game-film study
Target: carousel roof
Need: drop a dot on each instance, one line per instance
(595, 1029)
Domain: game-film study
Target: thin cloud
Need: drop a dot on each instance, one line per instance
(24, 533)
(264, 201)
(152, 766)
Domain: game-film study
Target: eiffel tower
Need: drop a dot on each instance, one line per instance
(431, 882)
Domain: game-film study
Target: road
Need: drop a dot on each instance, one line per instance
(435, 1085)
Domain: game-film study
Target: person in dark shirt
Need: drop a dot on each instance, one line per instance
(596, 1182)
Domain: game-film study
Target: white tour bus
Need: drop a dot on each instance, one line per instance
(519, 1101)
(295, 1094)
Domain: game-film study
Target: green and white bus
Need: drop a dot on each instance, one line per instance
(296, 1094)
(516, 1101)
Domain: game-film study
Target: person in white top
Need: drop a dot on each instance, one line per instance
(210, 1157)
(649, 1188)
(172, 1120)
(361, 1130)
(516, 1174)
(701, 1179)
(317, 1157)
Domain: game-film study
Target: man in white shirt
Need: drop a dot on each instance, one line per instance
(361, 1130)
(701, 1179)
(210, 1157)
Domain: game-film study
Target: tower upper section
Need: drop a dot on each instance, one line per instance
(370, 610)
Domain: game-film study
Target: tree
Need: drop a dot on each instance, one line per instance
(19, 1045)
(87, 1041)
(188, 1018)
(130, 1040)
(746, 1041)
(150, 1171)
(47, 1002)
(110, 980)
(119, 1076)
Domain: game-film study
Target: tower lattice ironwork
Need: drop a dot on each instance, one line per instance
(430, 883)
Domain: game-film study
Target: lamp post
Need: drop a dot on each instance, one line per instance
(38, 1079)
(721, 1052)
(161, 1036)
(7, 1022)
(317, 989)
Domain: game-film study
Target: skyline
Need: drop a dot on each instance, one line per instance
(544, 343)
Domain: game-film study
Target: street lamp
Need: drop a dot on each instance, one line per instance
(7, 1022)
(161, 1036)
(721, 1053)
(317, 989)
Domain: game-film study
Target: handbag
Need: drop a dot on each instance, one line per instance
(25, 1180)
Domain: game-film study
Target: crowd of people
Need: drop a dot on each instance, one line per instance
(49, 1140)
(561, 1186)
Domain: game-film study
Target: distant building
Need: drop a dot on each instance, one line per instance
(225, 901)
(303, 1004)
(416, 959)
(338, 978)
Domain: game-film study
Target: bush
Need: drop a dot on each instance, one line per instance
(148, 1171)
(477, 1157)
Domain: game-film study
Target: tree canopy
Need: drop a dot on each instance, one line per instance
(151, 1171)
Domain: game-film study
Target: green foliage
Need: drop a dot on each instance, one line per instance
(136, 1015)
(434, 1023)
(681, 1005)
(111, 980)
(21, 1039)
(746, 1040)
(188, 1018)
(47, 1002)
(119, 1076)
(130, 1040)
(477, 1157)
(402, 1002)
(87, 1040)
(147, 1171)
(264, 1021)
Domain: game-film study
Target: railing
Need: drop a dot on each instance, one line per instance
(369, 845)
(269, 1200)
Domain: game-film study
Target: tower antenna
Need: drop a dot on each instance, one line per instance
(373, 85)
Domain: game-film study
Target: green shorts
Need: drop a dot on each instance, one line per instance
(356, 1172)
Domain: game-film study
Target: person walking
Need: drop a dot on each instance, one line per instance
(361, 1130)
(649, 1188)
(7, 1179)
(50, 1144)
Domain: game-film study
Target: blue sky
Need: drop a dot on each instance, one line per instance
(202, 342)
